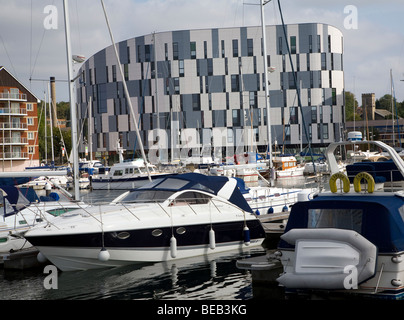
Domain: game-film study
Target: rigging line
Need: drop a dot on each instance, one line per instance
(32, 68)
(296, 84)
(30, 45)
(78, 26)
(8, 56)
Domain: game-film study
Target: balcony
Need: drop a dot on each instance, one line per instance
(13, 96)
(14, 156)
(13, 111)
(13, 126)
(13, 141)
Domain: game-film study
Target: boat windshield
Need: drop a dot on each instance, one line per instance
(350, 219)
(148, 195)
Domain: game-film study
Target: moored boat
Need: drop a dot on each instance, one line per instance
(170, 218)
(349, 240)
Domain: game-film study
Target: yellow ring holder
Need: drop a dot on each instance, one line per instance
(369, 179)
(344, 179)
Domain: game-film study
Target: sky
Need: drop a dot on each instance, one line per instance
(33, 47)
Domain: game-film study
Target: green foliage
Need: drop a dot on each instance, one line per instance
(385, 103)
(351, 106)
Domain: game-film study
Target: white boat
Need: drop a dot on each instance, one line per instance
(286, 167)
(348, 240)
(170, 218)
(22, 209)
(125, 175)
(45, 176)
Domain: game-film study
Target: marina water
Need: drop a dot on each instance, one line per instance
(199, 278)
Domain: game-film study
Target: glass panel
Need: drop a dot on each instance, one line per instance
(172, 184)
(350, 219)
(147, 196)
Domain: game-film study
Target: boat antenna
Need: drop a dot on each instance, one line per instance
(127, 93)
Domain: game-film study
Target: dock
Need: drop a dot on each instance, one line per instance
(20, 260)
(265, 270)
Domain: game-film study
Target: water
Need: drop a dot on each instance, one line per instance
(200, 278)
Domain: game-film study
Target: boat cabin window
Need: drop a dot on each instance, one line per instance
(173, 184)
(58, 211)
(350, 219)
(191, 197)
(148, 195)
(118, 173)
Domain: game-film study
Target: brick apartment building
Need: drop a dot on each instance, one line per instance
(18, 124)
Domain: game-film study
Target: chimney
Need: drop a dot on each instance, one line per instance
(53, 99)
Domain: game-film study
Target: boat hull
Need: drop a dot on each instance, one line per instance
(87, 258)
(81, 251)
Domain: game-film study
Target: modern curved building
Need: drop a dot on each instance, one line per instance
(195, 89)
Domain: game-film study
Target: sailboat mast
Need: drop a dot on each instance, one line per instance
(127, 94)
(264, 44)
(72, 103)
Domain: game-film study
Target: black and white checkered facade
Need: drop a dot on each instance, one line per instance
(206, 87)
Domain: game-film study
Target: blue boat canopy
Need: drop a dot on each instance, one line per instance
(378, 218)
(215, 185)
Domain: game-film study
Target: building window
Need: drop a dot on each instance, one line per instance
(147, 52)
(114, 73)
(126, 71)
(318, 43)
(323, 61)
(236, 117)
(292, 84)
(310, 43)
(30, 135)
(223, 51)
(253, 99)
(176, 85)
(313, 114)
(294, 115)
(293, 44)
(205, 49)
(181, 67)
(30, 107)
(250, 47)
(334, 96)
(235, 48)
(193, 50)
(30, 121)
(196, 102)
(31, 150)
(329, 43)
(235, 83)
(175, 50)
(325, 130)
(280, 51)
(210, 67)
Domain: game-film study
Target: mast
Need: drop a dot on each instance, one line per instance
(127, 94)
(72, 103)
(392, 107)
(90, 130)
(264, 44)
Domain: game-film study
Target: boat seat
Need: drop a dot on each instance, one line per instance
(324, 257)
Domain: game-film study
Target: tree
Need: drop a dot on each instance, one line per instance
(351, 105)
(384, 102)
